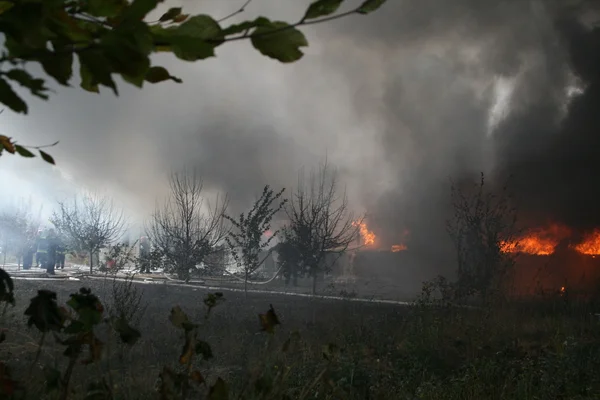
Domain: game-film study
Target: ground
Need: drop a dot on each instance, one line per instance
(388, 351)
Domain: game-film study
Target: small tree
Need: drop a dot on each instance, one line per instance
(320, 222)
(482, 230)
(182, 233)
(247, 238)
(288, 257)
(89, 224)
(120, 256)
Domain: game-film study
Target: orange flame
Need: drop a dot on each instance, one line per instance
(541, 242)
(399, 247)
(590, 245)
(367, 236)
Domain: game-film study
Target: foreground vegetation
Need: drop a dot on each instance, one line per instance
(300, 349)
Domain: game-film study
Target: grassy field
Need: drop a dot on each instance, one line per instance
(338, 349)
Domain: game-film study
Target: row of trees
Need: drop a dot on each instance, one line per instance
(318, 223)
(186, 231)
(18, 227)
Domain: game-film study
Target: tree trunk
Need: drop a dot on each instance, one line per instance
(246, 283)
(314, 283)
(91, 261)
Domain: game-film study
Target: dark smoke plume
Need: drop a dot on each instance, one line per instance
(445, 116)
(400, 101)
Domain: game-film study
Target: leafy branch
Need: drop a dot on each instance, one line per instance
(113, 38)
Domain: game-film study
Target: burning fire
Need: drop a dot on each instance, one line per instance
(590, 244)
(541, 242)
(399, 247)
(367, 236)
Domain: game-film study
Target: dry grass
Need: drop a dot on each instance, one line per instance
(529, 350)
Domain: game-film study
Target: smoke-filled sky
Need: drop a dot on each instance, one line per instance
(399, 101)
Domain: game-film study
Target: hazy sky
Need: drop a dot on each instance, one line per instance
(399, 100)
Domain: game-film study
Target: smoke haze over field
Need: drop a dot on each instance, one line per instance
(399, 100)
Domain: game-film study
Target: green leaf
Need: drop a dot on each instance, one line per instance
(171, 14)
(35, 85)
(188, 49)
(23, 152)
(368, 6)
(105, 8)
(59, 66)
(98, 70)
(245, 26)
(138, 10)
(280, 41)
(158, 74)
(47, 157)
(72, 30)
(127, 50)
(87, 80)
(218, 391)
(201, 27)
(5, 6)
(321, 8)
(193, 40)
(10, 98)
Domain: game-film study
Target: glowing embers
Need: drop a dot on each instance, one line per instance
(399, 247)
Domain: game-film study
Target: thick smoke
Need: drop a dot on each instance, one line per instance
(556, 177)
(400, 101)
(508, 89)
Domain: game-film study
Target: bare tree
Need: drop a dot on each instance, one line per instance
(181, 231)
(483, 229)
(246, 240)
(89, 224)
(321, 225)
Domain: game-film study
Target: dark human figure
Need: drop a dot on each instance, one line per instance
(60, 254)
(50, 259)
(28, 257)
(289, 261)
(42, 249)
(144, 255)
